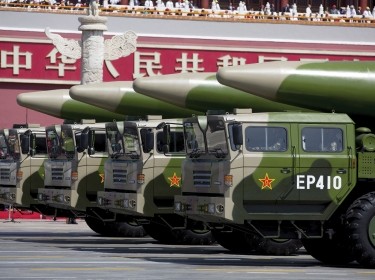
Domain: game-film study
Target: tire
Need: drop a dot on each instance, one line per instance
(166, 235)
(195, 237)
(329, 251)
(360, 224)
(160, 232)
(115, 229)
(278, 247)
(236, 241)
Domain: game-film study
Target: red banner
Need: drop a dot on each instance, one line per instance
(40, 62)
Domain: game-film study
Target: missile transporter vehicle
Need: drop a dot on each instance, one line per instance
(74, 173)
(286, 175)
(22, 155)
(141, 181)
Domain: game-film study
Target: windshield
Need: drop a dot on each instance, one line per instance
(212, 142)
(216, 140)
(14, 145)
(4, 151)
(123, 145)
(60, 146)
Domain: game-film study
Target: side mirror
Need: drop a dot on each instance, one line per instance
(32, 150)
(237, 135)
(149, 141)
(91, 142)
(166, 138)
(25, 144)
(82, 143)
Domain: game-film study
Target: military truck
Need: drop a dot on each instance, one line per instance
(141, 181)
(22, 154)
(74, 173)
(285, 175)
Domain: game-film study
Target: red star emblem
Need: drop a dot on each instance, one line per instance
(175, 180)
(266, 182)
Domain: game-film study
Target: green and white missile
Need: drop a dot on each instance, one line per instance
(119, 97)
(202, 91)
(340, 86)
(59, 104)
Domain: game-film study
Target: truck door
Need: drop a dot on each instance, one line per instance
(95, 165)
(269, 166)
(323, 165)
(167, 172)
(37, 164)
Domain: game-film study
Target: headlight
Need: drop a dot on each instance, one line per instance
(100, 201)
(220, 208)
(211, 208)
(177, 207)
(59, 198)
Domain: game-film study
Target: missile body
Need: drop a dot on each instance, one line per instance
(202, 91)
(340, 86)
(119, 97)
(59, 104)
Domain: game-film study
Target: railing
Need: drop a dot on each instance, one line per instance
(199, 14)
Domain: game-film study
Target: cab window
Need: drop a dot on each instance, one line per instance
(176, 144)
(322, 139)
(265, 139)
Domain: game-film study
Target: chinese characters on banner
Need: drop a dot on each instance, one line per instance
(42, 62)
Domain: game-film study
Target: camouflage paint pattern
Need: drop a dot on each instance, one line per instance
(202, 92)
(161, 178)
(20, 179)
(265, 184)
(338, 86)
(119, 97)
(58, 103)
(64, 191)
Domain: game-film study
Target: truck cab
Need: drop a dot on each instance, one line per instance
(22, 155)
(73, 178)
(74, 173)
(276, 175)
(141, 181)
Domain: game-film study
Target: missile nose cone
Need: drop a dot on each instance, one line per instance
(103, 95)
(261, 79)
(174, 87)
(48, 102)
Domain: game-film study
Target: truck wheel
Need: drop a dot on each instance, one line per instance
(194, 237)
(128, 229)
(236, 241)
(360, 219)
(115, 229)
(278, 247)
(329, 251)
(161, 233)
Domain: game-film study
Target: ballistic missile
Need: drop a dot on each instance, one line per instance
(339, 86)
(59, 104)
(202, 91)
(119, 97)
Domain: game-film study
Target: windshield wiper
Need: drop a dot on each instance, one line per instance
(117, 154)
(195, 153)
(132, 154)
(219, 153)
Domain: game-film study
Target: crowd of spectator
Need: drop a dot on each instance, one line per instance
(268, 10)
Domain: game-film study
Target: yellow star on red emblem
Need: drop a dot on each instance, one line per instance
(266, 182)
(175, 180)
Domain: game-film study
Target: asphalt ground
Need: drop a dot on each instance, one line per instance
(47, 249)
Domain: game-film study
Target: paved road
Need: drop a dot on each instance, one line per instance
(44, 249)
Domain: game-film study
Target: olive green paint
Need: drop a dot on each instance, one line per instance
(210, 94)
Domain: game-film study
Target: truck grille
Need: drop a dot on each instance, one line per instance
(120, 176)
(5, 174)
(57, 174)
(202, 178)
